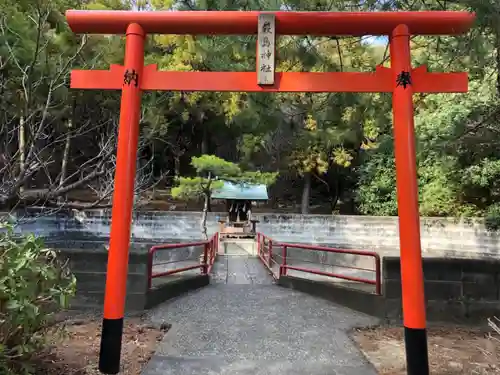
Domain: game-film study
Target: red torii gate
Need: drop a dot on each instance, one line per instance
(400, 79)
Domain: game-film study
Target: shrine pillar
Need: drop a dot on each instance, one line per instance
(123, 201)
(414, 319)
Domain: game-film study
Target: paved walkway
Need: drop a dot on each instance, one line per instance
(243, 324)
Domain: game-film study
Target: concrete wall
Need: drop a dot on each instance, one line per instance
(163, 260)
(469, 286)
(89, 268)
(440, 236)
(455, 289)
(88, 261)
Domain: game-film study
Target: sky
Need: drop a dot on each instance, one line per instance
(380, 40)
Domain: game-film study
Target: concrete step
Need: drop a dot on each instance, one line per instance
(238, 247)
(240, 270)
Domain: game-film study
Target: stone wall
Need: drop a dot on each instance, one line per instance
(167, 258)
(88, 257)
(462, 265)
(89, 268)
(440, 236)
(455, 289)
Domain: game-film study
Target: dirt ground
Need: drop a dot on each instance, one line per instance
(451, 350)
(75, 348)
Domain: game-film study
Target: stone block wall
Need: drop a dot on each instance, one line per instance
(89, 268)
(440, 236)
(455, 289)
(461, 265)
(88, 258)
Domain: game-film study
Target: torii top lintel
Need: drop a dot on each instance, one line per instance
(287, 23)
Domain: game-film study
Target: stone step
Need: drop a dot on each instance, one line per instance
(240, 270)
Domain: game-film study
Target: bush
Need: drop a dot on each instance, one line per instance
(34, 285)
(492, 218)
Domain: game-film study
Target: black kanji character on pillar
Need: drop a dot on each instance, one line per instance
(265, 68)
(266, 27)
(266, 55)
(403, 79)
(265, 42)
(131, 76)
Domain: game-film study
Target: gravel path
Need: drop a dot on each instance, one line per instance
(243, 324)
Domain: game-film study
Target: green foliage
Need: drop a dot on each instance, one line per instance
(376, 194)
(257, 178)
(457, 147)
(492, 218)
(345, 138)
(207, 167)
(217, 171)
(34, 285)
(193, 188)
(211, 164)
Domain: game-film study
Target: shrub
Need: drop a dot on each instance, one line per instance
(34, 285)
(492, 218)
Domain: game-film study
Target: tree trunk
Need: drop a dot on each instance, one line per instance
(306, 193)
(204, 140)
(64, 162)
(203, 224)
(177, 166)
(335, 199)
(497, 37)
(206, 206)
(209, 204)
(498, 60)
(22, 149)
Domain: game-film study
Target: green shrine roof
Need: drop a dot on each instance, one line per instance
(241, 191)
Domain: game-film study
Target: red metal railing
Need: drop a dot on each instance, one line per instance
(268, 250)
(209, 255)
(265, 252)
(377, 268)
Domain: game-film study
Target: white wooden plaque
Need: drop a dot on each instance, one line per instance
(266, 49)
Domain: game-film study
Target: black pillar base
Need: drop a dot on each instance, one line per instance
(417, 357)
(111, 346)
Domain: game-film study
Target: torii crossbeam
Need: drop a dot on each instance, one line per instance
(400, 79)
(380, 81)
